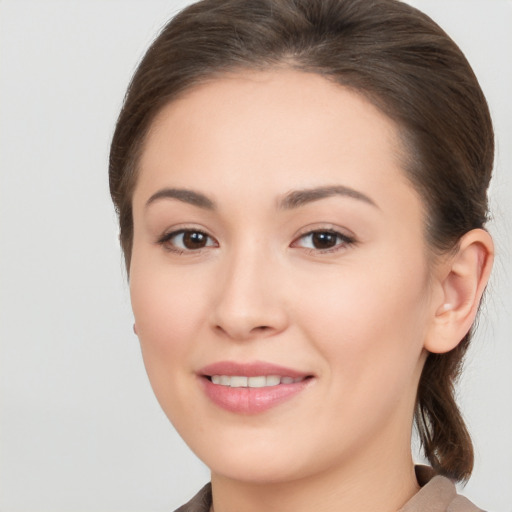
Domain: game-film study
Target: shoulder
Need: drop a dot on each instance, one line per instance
(201, 502)
(437, 494)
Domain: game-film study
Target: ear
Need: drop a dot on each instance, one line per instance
(460, 281)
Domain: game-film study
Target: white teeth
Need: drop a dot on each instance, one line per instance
(273, 380)
(257, 382)
(225, 380)
(238, 381)
(261, 381)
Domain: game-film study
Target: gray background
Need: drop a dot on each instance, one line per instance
(80, 428)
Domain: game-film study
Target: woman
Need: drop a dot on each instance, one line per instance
(301, 188)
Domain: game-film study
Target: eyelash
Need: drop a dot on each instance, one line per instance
(166, 241)
(343, 241)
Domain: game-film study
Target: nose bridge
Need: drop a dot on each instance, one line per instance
(249, 301)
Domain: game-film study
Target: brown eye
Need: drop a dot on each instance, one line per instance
(323, 241)
(194, 240)
(187, 240)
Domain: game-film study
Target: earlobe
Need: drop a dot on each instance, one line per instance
(462, 280)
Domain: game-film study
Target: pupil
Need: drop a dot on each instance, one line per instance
(324, 240)
(194, 240)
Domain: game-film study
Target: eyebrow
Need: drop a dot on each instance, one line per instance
(298, 198)
(294, 199)
(184, 195)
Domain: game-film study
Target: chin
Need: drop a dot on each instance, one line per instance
(261, 461)
(266, 471)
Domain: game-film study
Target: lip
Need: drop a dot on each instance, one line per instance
(251, 400)
(253, 369)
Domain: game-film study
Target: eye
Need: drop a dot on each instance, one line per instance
(323, 240)
(187, 240)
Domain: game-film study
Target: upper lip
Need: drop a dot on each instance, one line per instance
(253, 369)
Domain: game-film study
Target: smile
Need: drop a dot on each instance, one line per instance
(251, 388)
(260, 381)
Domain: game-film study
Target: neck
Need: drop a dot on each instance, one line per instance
(380, 486)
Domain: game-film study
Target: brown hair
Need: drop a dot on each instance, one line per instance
(404, 64)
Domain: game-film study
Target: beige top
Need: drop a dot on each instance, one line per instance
(437, 494)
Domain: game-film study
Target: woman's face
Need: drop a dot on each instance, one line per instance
(279, 276)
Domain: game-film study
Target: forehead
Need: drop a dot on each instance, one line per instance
(299, 129)
(263, 99)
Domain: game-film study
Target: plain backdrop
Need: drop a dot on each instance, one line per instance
(80, 428)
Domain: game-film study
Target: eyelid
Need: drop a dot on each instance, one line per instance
(169, 234)
(326, 228)
(347, 239)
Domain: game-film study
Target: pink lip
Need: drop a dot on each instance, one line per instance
(250, 369)
(250, 400)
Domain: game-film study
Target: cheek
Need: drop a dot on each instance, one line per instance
(369, 322)
(169, 310)
(160, 314)
(166, 320)
(167, 300)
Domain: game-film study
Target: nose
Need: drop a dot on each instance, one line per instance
(250, 302)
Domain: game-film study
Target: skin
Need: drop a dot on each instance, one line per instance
(358, 317)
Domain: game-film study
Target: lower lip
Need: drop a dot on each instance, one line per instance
(251, 400)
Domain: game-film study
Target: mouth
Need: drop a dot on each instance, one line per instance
(259, 381)
(251, 388)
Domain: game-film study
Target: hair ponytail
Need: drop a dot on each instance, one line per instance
(442, 430)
